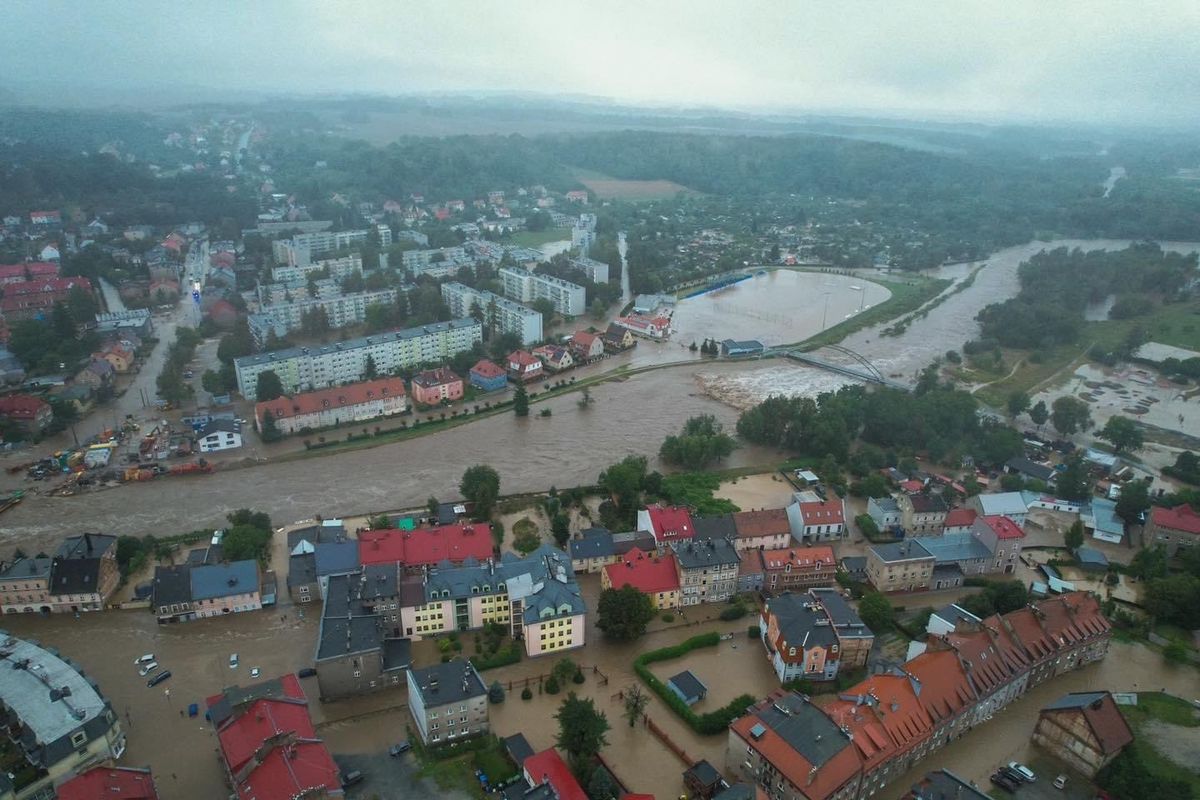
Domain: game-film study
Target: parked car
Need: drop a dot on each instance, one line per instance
(233, 660)
(254, 672)
(1004, 782)
(148, 668)
(1060, 781)
(400, 748)
(159, 678)
(307, 672)
(1026, 773)
(1012, 773)
(144, 659)
(352, 777)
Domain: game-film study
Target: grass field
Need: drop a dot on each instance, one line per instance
(609, 188)
(539, 238)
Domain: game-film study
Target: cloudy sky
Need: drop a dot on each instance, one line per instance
(1104, 60)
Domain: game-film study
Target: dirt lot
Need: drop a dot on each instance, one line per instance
(768, 490)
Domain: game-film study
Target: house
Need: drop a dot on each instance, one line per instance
(267, 744)
(452, 545)
(28, 271)
(855, 568)
(359, 643)
(109, 783)
(1099, 518)
(617, 338)
(943, 784)
(1002, 538)
(219, 434)
(218, 589)
(334, 558)
(326, 408)
(1005, 504)
(996, 662)
(945, 692)
(448, 702)
(302, 583)
(959, 520)
(58, 723)
(768, 529)
(31, 414)
(885, 512)
(657, 328)
(433, 386)
(817, 520)
(854, 638)
(592, 550)
(800, 639)
(717, 527)
(1091, 560)
(487, 377)
(751, 574)
(624, 543)
(708, 570)
(687, 687)
(25, 585)
(956, 555)
(735, 349)
(947, 618)
(119, 357)
(45, 218)
(523, 366)
(654, 576)
(796, 568)
(668, 524)
(171, 593)
(1173, 528)
(1085, 730)
(923, 514)
(1030, 470)
(549, 778)
(793, 749)
(586, 346)
(905, 566)
(83, 573)
(703, 781)
(96, 375)
(554, 358)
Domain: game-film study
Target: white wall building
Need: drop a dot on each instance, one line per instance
(343, 310)
(569, 299)
(596, 270)
(301, 248)
(511, 317)
(338, 268)
(219, 434)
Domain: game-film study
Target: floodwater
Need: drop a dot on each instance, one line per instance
(1114, 174)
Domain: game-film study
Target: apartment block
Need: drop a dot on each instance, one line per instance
(499, 312)
(340, 311)
(569, 299)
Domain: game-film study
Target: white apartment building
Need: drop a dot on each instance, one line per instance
(300, 249)
(338, 268)
(596, 270)
(343, 310)
(307, 368)
(511, 317)
(417, 260)
(569, 299)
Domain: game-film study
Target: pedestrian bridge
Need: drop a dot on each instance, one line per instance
(861, 369)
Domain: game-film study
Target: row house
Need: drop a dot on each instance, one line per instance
(523, 366)
(457, 544)
(83, 573)
(800, 638)
(554, 358)
(326, 408)
(668, 524)
(592, 550)
(655, 576)
(25, 585)
(184, 592)
(817, 520)
(922, 514)
(767, 529)
(708, 570)
(795, 568)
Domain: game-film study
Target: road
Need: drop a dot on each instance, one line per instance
(112, 298)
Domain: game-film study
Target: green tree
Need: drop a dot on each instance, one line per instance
(215, 382)
(1069, 415)
(481, 485)
(370, 371)
(598, 309)
(563, 669)
(624, 613)
(432, 504)
(270, 387)
(876, 611)
(521, 401)
(635, 702)
(495, 693)
(545, 308)
(1149, 563)
(1133, 501)
(624, 481)
(1039, 414)
(1072, 482)
(701, 442)
(560, 528)
(1018, 404)
(1123, 434)
(1073, 538)
(270, 430)
(526, 540)
(245, 542)
(601, 786)
(582, 732)
(1175, 600)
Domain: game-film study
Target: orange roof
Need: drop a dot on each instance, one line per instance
(1072, 617)
(813, 558)
(1027, 629)
(486, 369)
(768, 522)
(1180, 518)
(523, 358)
(959, 518)
(993, 658)
(828, 512)
(945, 690)
(337, 397)
(645, 573)
(584, 338)
(903, 717)
(436, 377)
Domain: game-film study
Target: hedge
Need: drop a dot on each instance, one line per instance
(501, 658)
(708, 724)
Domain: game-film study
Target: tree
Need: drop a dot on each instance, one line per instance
(481, 485)
(432, 504)
(876, 611)
(624, 613)
(544, 307)
(1123, 434)
(1018, 403)
(581, 731)
(245, 542)
(521, 401)
(370, 371)
(1133, 501)
(560, 527)
(526, 540)
(495, 693)
(598, 309)
(1072, 482)
(1149, 563)
(1069, 415)
(701, 442)
(1073, 538)
(635, 703)
(1175, 600)
(563, 669)
(270, 431)
(624, 481)
(270, 387)
(1038, 414)
(601, 786)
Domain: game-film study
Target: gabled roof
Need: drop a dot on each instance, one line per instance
(486, 369)
(688, 684)
(802, 622)
(523, 358)
(1180, 518)
(825, 512)
(1072, 617)
(960, 518)
(800, 558)
(435, 377)
(1008, 503)
(767, 522)
(670, 522)
(548, 767)
(945, 688)
(1003, 527)
(1103, 717)
(109, 783)
(335, 557)
(593, 543)
(644, 572)
(426, 546)
(927, 503)
(223, 580)
(719, 527)
(336, 397)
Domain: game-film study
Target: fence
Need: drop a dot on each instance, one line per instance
(662, 735)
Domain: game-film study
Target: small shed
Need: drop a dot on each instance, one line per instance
(703, 780)
(518, 748)
(688, 687)
(1091, 560)
(751, 347)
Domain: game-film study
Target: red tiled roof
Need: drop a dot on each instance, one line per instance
(523, 358)
(960, 518)
(912, 485)
(907, 723)
(768, 522)
(486, 369)
(670, 522)
(801, 558)
(548, 766)
(828, 512)
(645, 573)
(436, 377)
(1027, 629)
(992, 656)
(1073, 617)
(1180, 518)
(584, 339)
(1107, 722)
(109, 783)
(945, 690)
(21, 406)
(36, 269)
(1003, 527)
(426, 545)
(336, 397)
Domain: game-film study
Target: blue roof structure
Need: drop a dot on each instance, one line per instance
(593, 543)
(336, 557)
(223, 580)
(955, 547)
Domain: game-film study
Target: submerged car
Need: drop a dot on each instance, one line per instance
(159, 678)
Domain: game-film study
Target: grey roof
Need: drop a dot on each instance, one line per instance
(722, 527)
(397, 653)
(219, 426)
(845, 619)
(945, 785)
(316, 534)
(452, 682)
(302, 570)
(379, 581)
(748, 344)
(887, 505)
(802, 620)
(624, 542)
(341, 636)
(854, 564)
(27, 568)
(1075, 700)
(906, 550)
(335, 558)
(688, 684)
(738, 791)
(805, 728)
(947, 571)
(955, 547)
(518, 748)
(544, 580)
(172, 585)
(1090, 557)
(1031, 468)
(703, 773)
(235, 697)
(222, 580)
(276, 356)
(593, 543)
(1002, 503)
(87, 545)
(446, 515)
(954, 615)
(706, 553)
(349, 623)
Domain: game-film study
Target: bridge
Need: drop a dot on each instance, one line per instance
(862, 369)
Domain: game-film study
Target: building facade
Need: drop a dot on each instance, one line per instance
(500, 313)
(569, 299)
(326, 408)
(448, 702)
(905, 566)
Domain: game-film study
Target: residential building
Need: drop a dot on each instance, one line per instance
(1005, 504)
(669, 524)
(523, 366)
(767, 529)
(219, 434)
(959, 520)
(791, 569)
(267, 743)
(548, 777)
(302, 583)
(794, 750)
(855, 639)
(105, 782)
(708, 570)
(1099, 518)
(596, 271)
(885, 512)
(500, 313)
(339, 311)
(586, 346)
(301, 248)
(554, 358)
(57, 732)
(35, 299)
(718, 527)
(448, 702)
(119, 357)
(569, 299)
(905, 566)
(625, 543)
(337, 268)
(947, 618)
(591, 551)
(1085, 730)
(28, 271)
(617, 338)
(334, 558)
(1030, 470)
(654, 576)
(31, 414)
(1173, 528)
(1002, 538)
(359, 645)
(923, 514)
(751, 575)
(943, 784)
(687, 687)
(487, 377)
(818, 520)
(83, 573)
(957, 554)
(327, 408)
(996, 663)
(25, 585)
(219, 589)
(657, 328)
(455, 544)
(433, 386)
(945, 691)
(800, 639)
(304, 368)
(137, 321)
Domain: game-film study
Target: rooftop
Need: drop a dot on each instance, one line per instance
(927, 503)
(275, 356)
(767, 522)
(32, 684)
(109, 783)
(907, 550)
(1102, 716)
(1180, 518)
(845, 618)
(698, 554)
(719, 527)
(548, 767)
(800, 558)
(1008, 503)
(954, 547)
(1003, 527)
(337, 397)
(222, 580)
(592, 543)
(644, 572)
(688, 684)
(802, 621)
(426, 546)
(451, 682)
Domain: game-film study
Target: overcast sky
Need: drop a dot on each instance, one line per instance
(1104, 60)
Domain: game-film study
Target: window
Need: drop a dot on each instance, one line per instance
(78, 739)
(358, 673)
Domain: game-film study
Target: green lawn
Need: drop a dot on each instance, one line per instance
(1165, 709)
(539, 238)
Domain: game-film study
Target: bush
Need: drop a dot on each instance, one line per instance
(577, 678)
(708, 724)
(754, 632)
(551, 685)
(526, 693)
(735, 611)
(668, 617)
(502, 657)
(866, 524)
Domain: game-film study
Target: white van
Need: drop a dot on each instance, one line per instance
(146, 670)
(144, 659)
